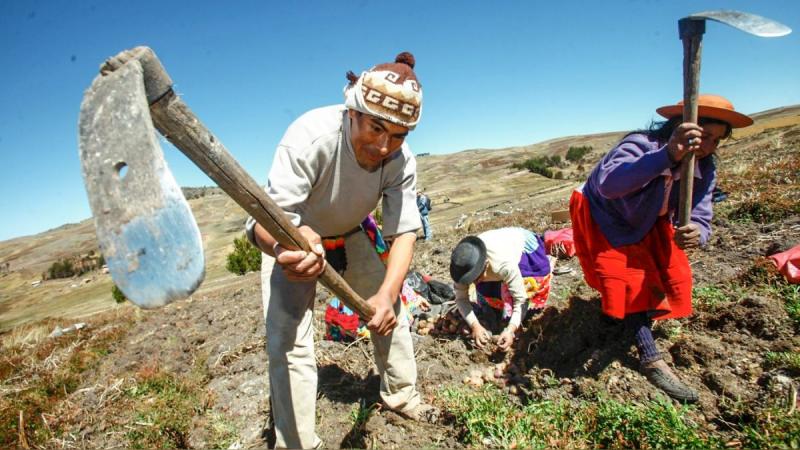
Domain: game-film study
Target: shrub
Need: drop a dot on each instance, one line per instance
(576, 154)
(119, 297)
(541, 165)
(244, 258)
(62, 268)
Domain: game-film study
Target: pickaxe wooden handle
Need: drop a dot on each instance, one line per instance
(691, 33)
(184, 130)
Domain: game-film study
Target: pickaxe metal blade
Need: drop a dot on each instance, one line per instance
(145, 229)
(749, 23)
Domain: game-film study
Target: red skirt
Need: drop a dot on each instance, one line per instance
(652, 275)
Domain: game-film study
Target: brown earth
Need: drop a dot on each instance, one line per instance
(567, 352)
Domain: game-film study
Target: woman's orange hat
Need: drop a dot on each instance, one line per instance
(712, 106)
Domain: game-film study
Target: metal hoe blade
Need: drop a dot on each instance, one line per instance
(750, 23)
(145, 229)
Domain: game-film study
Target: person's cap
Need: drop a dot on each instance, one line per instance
(711, 106)
(468, 260)
(390, 91)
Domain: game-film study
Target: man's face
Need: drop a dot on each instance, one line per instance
(374, 139)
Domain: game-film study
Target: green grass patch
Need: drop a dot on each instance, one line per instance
(164, 408)
(709, 297)
(791, 298)
(653, 425)
(784, 360)
(763, 210)
(488, 418)
(359, 416)
(765, 278)
(774, 428)
(221, 432)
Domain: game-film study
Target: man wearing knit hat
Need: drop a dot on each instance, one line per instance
(331, 167)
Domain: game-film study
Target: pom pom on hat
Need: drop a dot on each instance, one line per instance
(406, 58)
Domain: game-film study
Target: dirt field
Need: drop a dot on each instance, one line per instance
(193, 374)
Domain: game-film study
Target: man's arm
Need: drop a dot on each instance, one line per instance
(402, 249)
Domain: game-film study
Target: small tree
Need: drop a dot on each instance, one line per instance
(119, 297)
(61, 269)
(244, 258)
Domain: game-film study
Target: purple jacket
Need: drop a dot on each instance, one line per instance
(626, 190)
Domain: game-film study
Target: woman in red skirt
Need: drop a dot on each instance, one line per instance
(624, 221)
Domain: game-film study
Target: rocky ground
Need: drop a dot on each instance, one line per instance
(193, 374)
(567, 352)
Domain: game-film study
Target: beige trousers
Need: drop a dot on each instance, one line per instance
(288, 310)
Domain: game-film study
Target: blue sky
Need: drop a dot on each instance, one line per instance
(494, 74)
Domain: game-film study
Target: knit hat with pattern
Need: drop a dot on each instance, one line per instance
(389, 91)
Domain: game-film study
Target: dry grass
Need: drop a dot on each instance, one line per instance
(28, 335)
(765, 184)
(38, 372)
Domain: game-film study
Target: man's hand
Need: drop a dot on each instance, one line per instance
(480, 335)
(300, 265)
(685, 138)
(506, 339)
(688, 236)
(384, 320)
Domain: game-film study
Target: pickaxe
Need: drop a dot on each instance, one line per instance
(144, 226)
(691, 29)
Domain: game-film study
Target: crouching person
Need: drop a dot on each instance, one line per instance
(511, 272)
(330, 168)
(625, 225)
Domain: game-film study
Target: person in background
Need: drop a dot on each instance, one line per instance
(511, 272)
(625, 225)
(424, 206)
